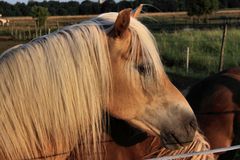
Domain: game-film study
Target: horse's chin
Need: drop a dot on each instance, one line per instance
(172, 142)
(174, 146)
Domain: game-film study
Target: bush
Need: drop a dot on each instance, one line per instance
(40, 14)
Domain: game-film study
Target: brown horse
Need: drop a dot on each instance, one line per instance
(216, 102)
(54, 89)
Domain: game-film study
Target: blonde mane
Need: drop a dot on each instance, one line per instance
(53, 89)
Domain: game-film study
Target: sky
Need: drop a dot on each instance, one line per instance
(25, 1)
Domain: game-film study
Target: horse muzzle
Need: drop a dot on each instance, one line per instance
(179, 137)
(176, 127)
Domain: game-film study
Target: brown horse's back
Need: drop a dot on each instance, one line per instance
(214, 101)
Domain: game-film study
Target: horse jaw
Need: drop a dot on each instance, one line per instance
(145, 126)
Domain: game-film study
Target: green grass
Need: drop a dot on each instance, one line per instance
(205, 46)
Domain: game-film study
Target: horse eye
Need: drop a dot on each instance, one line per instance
(143, 69)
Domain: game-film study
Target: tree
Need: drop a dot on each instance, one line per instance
(7, 9)
(40, 14)
(201, 7)
(124, 4)
(233, 3)
(108, 6)
(53, 6)
(86, 7)
(223, 3)
(22, 9)
(72, 7)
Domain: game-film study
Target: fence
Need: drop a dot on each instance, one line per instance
(24, 28)
(174, 35)
(173, 23)
(236, 147)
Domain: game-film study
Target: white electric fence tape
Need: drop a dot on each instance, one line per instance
(198, 153)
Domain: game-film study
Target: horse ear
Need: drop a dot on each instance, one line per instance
(122, 22)
(135, 13)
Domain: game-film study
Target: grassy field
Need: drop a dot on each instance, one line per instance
(204, 48)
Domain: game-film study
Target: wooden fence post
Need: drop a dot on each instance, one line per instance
(12, 28)
(29, 33)
(20, 35)
(36, 29)
(16, 34)
(187, 62)
(221, 60)
(58, 25)
(24, 35)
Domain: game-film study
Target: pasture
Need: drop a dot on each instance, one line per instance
(204, 48)
(174, 31)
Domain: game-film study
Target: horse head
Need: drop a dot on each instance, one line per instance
(142, 93)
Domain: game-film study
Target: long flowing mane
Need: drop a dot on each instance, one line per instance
(53, 88)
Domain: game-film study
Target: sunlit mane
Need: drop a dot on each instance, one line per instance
(53, 88)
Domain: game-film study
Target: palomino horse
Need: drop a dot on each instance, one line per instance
(216, 102)
(55, 89)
